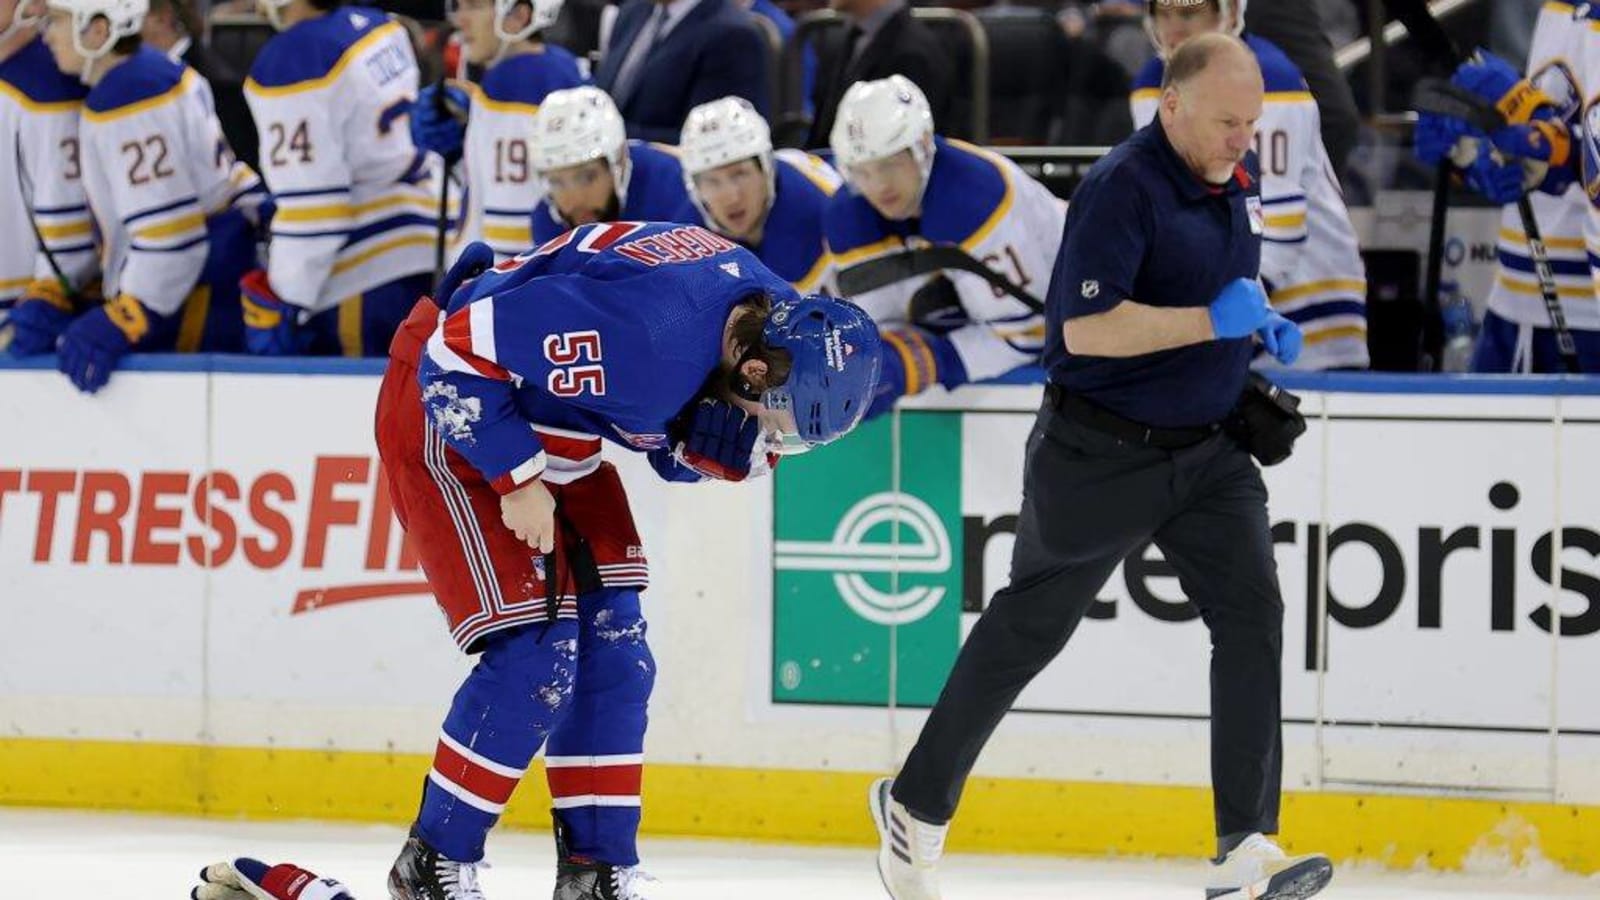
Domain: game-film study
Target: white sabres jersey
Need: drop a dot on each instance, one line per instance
(357, 202)
(155, 168)
(41, 166)
(1309, 252)
(502, 188)
(986, 205)
(1553, 64)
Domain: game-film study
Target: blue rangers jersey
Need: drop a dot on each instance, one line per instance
(986, 205)
(792, 241)
(607, 331)
(655, 193)
(1310, 258)
(501, 185)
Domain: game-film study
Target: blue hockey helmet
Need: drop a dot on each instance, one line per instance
(834, 349)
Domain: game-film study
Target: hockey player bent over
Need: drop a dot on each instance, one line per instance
(593, 173)
(48, 216)
(354, 235)
(522, 70)
(664, 339)
(909, 188)
(772, 203)
(170, 200)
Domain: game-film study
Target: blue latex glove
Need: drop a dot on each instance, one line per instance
(1282, 339)
(271, 324)
(95, 341)
(1239, 309)
(250, 879)
(721, 441)
(476, 259)
(36, 324)
(439, 119)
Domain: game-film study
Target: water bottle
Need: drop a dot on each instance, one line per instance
(1460, 328)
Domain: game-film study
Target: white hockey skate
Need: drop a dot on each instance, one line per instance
(1258, 869)
(908, 850)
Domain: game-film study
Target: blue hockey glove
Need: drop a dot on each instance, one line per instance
(95, 341)
(476, 259)
(42, 313)
(913, 360)
(1533, 128)
(1239, 309)
(439, 119)
(1436, 136)
(271, 324)
(249, 879)
(1282, 339)
(720, 442)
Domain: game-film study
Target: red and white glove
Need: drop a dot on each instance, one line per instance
(251, 879)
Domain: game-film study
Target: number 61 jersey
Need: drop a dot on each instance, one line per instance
(356, 200)
(1309, 255)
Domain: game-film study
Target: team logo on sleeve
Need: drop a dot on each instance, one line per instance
(1090, 289)
(1252, 208)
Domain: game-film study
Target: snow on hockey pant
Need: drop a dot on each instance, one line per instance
(573, 673)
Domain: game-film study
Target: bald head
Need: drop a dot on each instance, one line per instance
(1197, 55)
(1211, 98)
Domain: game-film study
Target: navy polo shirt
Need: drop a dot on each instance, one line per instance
(1142, 226)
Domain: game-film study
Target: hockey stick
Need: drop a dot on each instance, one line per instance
(1439, 96)
(442, 104)
(25, 183)
(904, 265)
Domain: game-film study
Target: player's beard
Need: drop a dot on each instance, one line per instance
(611, 213)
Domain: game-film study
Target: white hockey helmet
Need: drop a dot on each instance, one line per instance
(722, 132)
(1231, 13)
(545, 13)
(877, 119)
(124, 18)
(21, 18)
(576, 125)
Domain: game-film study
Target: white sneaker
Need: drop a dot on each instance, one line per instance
(908, 850)
(1258, 869)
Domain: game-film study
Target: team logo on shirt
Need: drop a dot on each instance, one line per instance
(1090, 289)
(1252, 208)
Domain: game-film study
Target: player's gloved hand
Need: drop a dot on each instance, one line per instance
(249, 879)
(1282, 339)
(1533, 129)
(530, 513)
(474, 260)
(42, 313)
(720, 442)
(1239, 309)
(271, 324)
(439, 119)
(1437, 135)
(95, 341)
(1500, 180)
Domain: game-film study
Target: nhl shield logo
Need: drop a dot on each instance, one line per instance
(1089, 289)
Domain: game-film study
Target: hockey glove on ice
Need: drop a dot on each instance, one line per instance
(42, 313)
(1239, 309)
(250, 879)
(95, 341)
(271, 324)
(1282, 339)
(720, 442)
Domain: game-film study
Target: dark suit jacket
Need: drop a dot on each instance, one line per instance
(903, 46)
(714, 52)
(227, 90)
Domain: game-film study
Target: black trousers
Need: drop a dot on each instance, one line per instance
(1089, 500)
